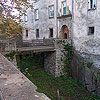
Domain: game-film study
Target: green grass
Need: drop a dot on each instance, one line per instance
(69, 88)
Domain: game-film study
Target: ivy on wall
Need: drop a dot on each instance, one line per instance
(68, 56)
(10, 55)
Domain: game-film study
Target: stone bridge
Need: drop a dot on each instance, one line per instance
(52, 51)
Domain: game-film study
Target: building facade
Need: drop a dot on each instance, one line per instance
(50, 19)
(86, 35)
(78, 20)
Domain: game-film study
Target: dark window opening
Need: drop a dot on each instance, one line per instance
(65, 35)
(26, 33)
(91, 3)
(37, 33)
(91, 31)
(51, 33)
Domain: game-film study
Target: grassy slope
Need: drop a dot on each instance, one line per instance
(69, 88)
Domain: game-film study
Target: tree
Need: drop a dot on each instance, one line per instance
(10, 17)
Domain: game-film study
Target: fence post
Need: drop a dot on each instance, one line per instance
(58, 96)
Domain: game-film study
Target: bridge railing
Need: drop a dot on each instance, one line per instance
(38, 42)
(45, 42)
(12, 45)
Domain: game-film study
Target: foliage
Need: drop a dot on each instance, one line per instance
(10, 55)
(31, 61)
(10, 28)
(9, 20)
(62, 98)
(89, 64)
(68, 47)
(68, 58)
(69, 88)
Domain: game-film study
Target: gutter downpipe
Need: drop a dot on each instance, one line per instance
(57, 18)
(72, 22)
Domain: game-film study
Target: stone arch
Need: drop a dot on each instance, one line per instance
(65, 32)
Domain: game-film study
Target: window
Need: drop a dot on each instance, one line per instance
(51, 33)
(91, 31)
(37, 33)
(25, 18)
(64, 8)
(92, 4)
(26, 33)
(36, 14)
(51, 11)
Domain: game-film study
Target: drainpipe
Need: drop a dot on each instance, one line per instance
(72, 22)
(57, 18)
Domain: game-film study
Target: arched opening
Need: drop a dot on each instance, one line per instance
(65, 32)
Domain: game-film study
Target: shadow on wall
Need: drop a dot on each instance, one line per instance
(84, 71)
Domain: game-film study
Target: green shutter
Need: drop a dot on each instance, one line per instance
(64, 10)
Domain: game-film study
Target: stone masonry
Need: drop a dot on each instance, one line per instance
(87, 75)
(54, 61)
(14, 85)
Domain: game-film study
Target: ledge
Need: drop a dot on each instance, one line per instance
(64, 16)
(14, 85)
(92, 9)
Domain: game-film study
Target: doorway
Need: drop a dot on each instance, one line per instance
(65, 32)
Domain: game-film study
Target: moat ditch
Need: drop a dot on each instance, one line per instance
(69, 88)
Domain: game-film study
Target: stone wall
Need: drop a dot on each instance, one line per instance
(54, 61)
(37, 42)
(60, 55)
(89, 75)
(7, 45)
(50, 62)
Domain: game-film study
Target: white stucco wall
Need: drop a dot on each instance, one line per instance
(64, 20)
(68, 6)
(29, 23)
(44, 23)
(82, 20)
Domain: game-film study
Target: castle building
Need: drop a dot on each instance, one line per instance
(50, 19)
(75, 19)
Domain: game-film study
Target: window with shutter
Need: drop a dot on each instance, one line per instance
(64, 8)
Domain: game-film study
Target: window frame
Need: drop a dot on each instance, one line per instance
(90, 30)
(62, 8)
(36, 18)
(50, 12)
(51, 34)
(92, 6)
(25, 18)
(37, 35)
(26, 33)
